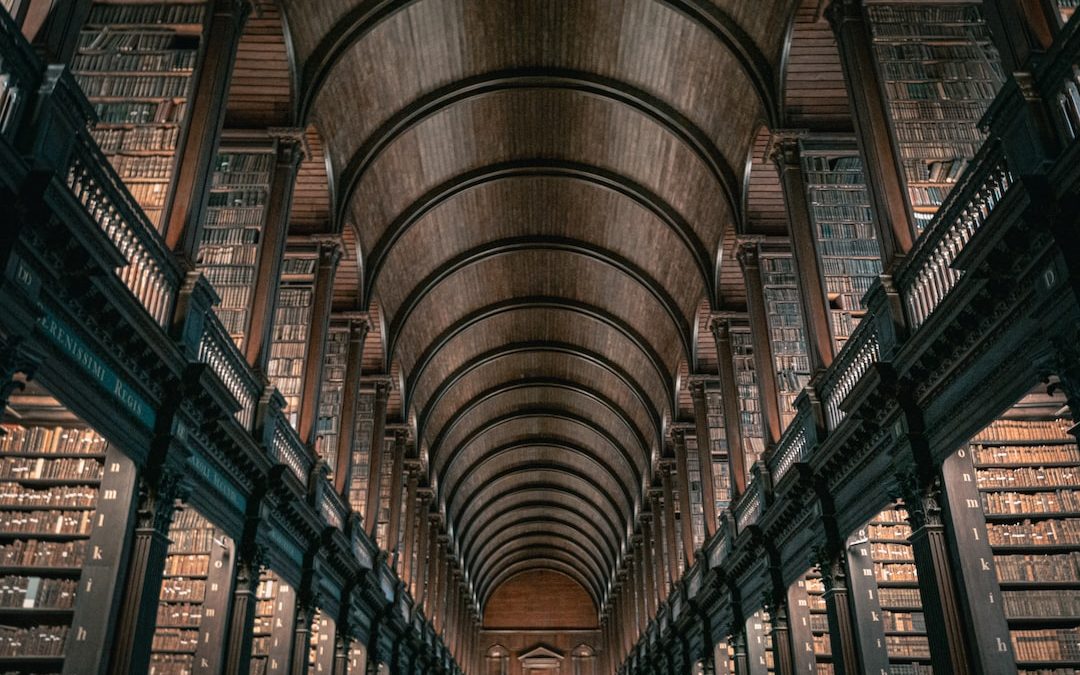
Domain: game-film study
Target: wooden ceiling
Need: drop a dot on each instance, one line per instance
(539, 201)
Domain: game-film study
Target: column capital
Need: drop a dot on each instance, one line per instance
(359, 322)
(330, 248)
(383, 386)
(783, 147)
(840, 12)
(292, 143)
(747, 251)
(425, 494)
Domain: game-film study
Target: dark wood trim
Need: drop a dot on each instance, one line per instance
(536, 302)
(513, 245)
(358, 23)
(553, 383)
(541, 346)
(546, 168)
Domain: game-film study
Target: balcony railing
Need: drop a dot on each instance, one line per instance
(792, 448)
(288, 450)
(859, 353)
(927, 276)
(217, 350)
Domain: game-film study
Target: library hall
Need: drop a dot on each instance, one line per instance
(539, 337)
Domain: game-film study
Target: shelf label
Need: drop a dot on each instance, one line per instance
(218, 481)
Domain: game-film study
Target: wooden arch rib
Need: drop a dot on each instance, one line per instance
(550, 383)
(478, 361)
(541, 78)
(517, 567)
(547, 490)
(505, 454)
(488, 559)
(549, 541)
(524, 415)
(361, 20)
(521, 303)
(541, 510)
(538, 167)
(541, 554)
(558, 244)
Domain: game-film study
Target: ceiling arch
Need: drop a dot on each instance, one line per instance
(550, 541)
(513, 569)
(491, 557)
(554, 511)
(531, 554)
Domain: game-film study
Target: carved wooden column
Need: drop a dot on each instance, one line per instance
(764, 363)
(704, 452)
(305, 614)
(185, 204)
(787, 156)
(375, 457)
(393, 529)
(686, 520)
(729, 394)
(941, 603)
(842, 629)
(412, 470)
(343, 470)
(661, 545)
(885, 183)
(342, 651)
(438, 587)
(330, 251)
(135, 620)
(667, 469)
(638, 576)
(289, 151)
(249, 563)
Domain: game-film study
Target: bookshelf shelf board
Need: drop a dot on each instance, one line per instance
(35, 615)
(897, 607)
(124, 73)
(897, 584)
(1048, 664)
(174, 651)
(1009, 517)
(1026, 465)
(29, 570)
(1034, 443)
(44, 507)
(1027, 488)
(43, 536)
(908, 659)
(1039, 585)
(1043, 621)
(907, 633)
(186, 29)
(1034, 548)
(34, 662)
(902, 561)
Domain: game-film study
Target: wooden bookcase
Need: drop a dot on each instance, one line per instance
(847, 246)
(232, 234)
(939, 72)
(136, 63)
(787, 334)
(272, 636)
(809, 626)
(759, 648)
(361, 455)
(321, 646)
(65, 504)
(195, 595)
(753, 431)
(719, 450)
(331, 394)
(292, 329)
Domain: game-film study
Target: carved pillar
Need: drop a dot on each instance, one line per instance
(704, 451)
(802, 232)
(842, 629)
(259, 333)
(343, 469)
(185, 205)
(885, 183)
(136, 617)
(729, 394)
(330, 251)
(941, 604)
(781, 637)
(638, 576)
(342, 649)
(305, 614)
(249, 564)
(667, 468)
(375, 457)
(438, 578)
(764, 364)
(686, 520)
(661, 544)
(412, 470)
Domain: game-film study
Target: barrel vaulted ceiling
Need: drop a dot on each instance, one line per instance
(540, 192)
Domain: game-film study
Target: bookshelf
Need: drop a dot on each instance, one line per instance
(331, 394)
(292, 327)
(718, 445)
(844, 233)
(898, 592)
(786, 332)
(810, 625)
(321, 645)
(1028, 478)
(759, 650)
(753, 431)
(939, 71)
(697, 510)
(64, 491)
(229, 250)
(136, 62)
(383, 526)
(361, 454)
(194, 599)
(275, 602)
